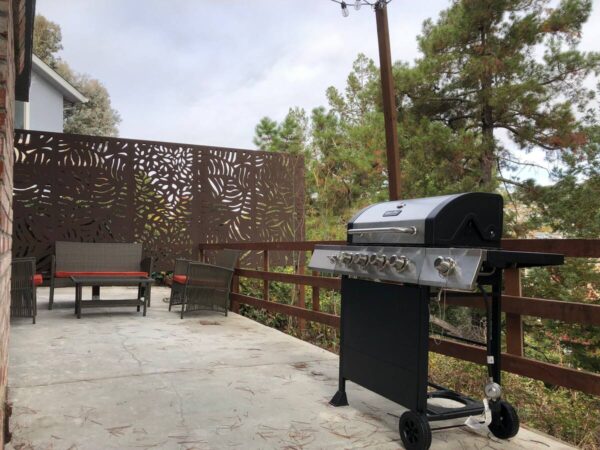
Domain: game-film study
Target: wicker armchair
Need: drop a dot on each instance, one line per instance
(198, 285)
(23, 283)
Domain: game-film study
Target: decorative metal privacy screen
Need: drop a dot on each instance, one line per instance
(170, 197)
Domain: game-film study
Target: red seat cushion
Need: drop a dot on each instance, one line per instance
(206, 283)
(100, 274)
(38, 279)
(181, 279)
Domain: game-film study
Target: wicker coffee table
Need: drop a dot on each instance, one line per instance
(143, 298)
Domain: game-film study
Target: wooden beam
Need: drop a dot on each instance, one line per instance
(266, 269)
(235, 287)
(307, 280)
(549, 373)
(575, 248)
(389, 102)
(306, 314)
(514, 322)
(273, 246)
(316, 296)
(568, 312)
(301, 288)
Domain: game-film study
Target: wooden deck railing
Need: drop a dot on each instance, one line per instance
(514, 305)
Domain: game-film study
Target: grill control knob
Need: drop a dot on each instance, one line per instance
(347, 258)
(377, 261)
(444, 265)
(400, 263)
(361, 259)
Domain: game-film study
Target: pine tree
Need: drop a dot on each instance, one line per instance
(481, 72)
(266, 134)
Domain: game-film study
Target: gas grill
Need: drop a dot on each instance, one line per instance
(399, 257)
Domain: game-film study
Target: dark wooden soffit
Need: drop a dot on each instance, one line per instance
(23, 17)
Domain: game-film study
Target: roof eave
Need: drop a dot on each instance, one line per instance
(23, 18)
(68, 91)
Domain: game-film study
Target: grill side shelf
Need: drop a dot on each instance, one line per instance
(504, 259)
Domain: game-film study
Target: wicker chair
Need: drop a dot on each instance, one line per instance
(198, 285)
(23, 283)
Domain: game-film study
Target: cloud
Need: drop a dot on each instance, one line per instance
(205, 72)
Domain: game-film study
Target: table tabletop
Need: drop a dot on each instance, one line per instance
(110, 281)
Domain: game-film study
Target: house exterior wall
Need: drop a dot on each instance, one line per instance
(7, 95)
(45, 106)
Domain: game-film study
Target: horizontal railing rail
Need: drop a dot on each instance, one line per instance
(514, 305)
(572, 248)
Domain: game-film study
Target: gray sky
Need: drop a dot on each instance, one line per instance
(205, 72)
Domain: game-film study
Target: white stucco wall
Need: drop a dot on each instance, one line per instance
(45, 106)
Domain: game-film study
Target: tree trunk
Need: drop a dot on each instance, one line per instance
(488, 151)
(487, 121)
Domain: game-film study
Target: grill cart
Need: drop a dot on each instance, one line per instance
(399, 257)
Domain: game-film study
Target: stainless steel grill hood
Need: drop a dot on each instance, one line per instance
(460, 220)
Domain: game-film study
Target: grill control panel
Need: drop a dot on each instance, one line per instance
(453, 268)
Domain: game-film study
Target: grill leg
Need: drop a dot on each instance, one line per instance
(51, 300)
(147, 294)
(340, 398)
(78, 293)
(495, 322)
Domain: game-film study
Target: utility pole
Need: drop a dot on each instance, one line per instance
(387, 91)
(389, 101)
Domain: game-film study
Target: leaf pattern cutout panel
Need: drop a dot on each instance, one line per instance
(170, 197)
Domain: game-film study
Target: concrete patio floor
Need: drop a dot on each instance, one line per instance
(117, 380)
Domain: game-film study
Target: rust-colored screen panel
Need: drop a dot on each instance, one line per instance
(170, 197)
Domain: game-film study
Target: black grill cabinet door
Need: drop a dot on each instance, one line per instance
(384, 341)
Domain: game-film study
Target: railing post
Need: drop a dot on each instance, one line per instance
(266, 269)
(514, 322)
(316, 295)
(235, 287)
(301, 287)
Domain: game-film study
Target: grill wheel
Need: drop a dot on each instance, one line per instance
(505, 421)
(414, 431)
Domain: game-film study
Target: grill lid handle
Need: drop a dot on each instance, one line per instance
(402, 230)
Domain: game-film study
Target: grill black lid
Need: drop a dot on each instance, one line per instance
(471, 219)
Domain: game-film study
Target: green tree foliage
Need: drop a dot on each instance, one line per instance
(266, 135)
(96, 117)
(495, 80)
(343, 146)
(577, 182)
(571, 207)
(288, 137)
(47, 40)
(479, 74)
